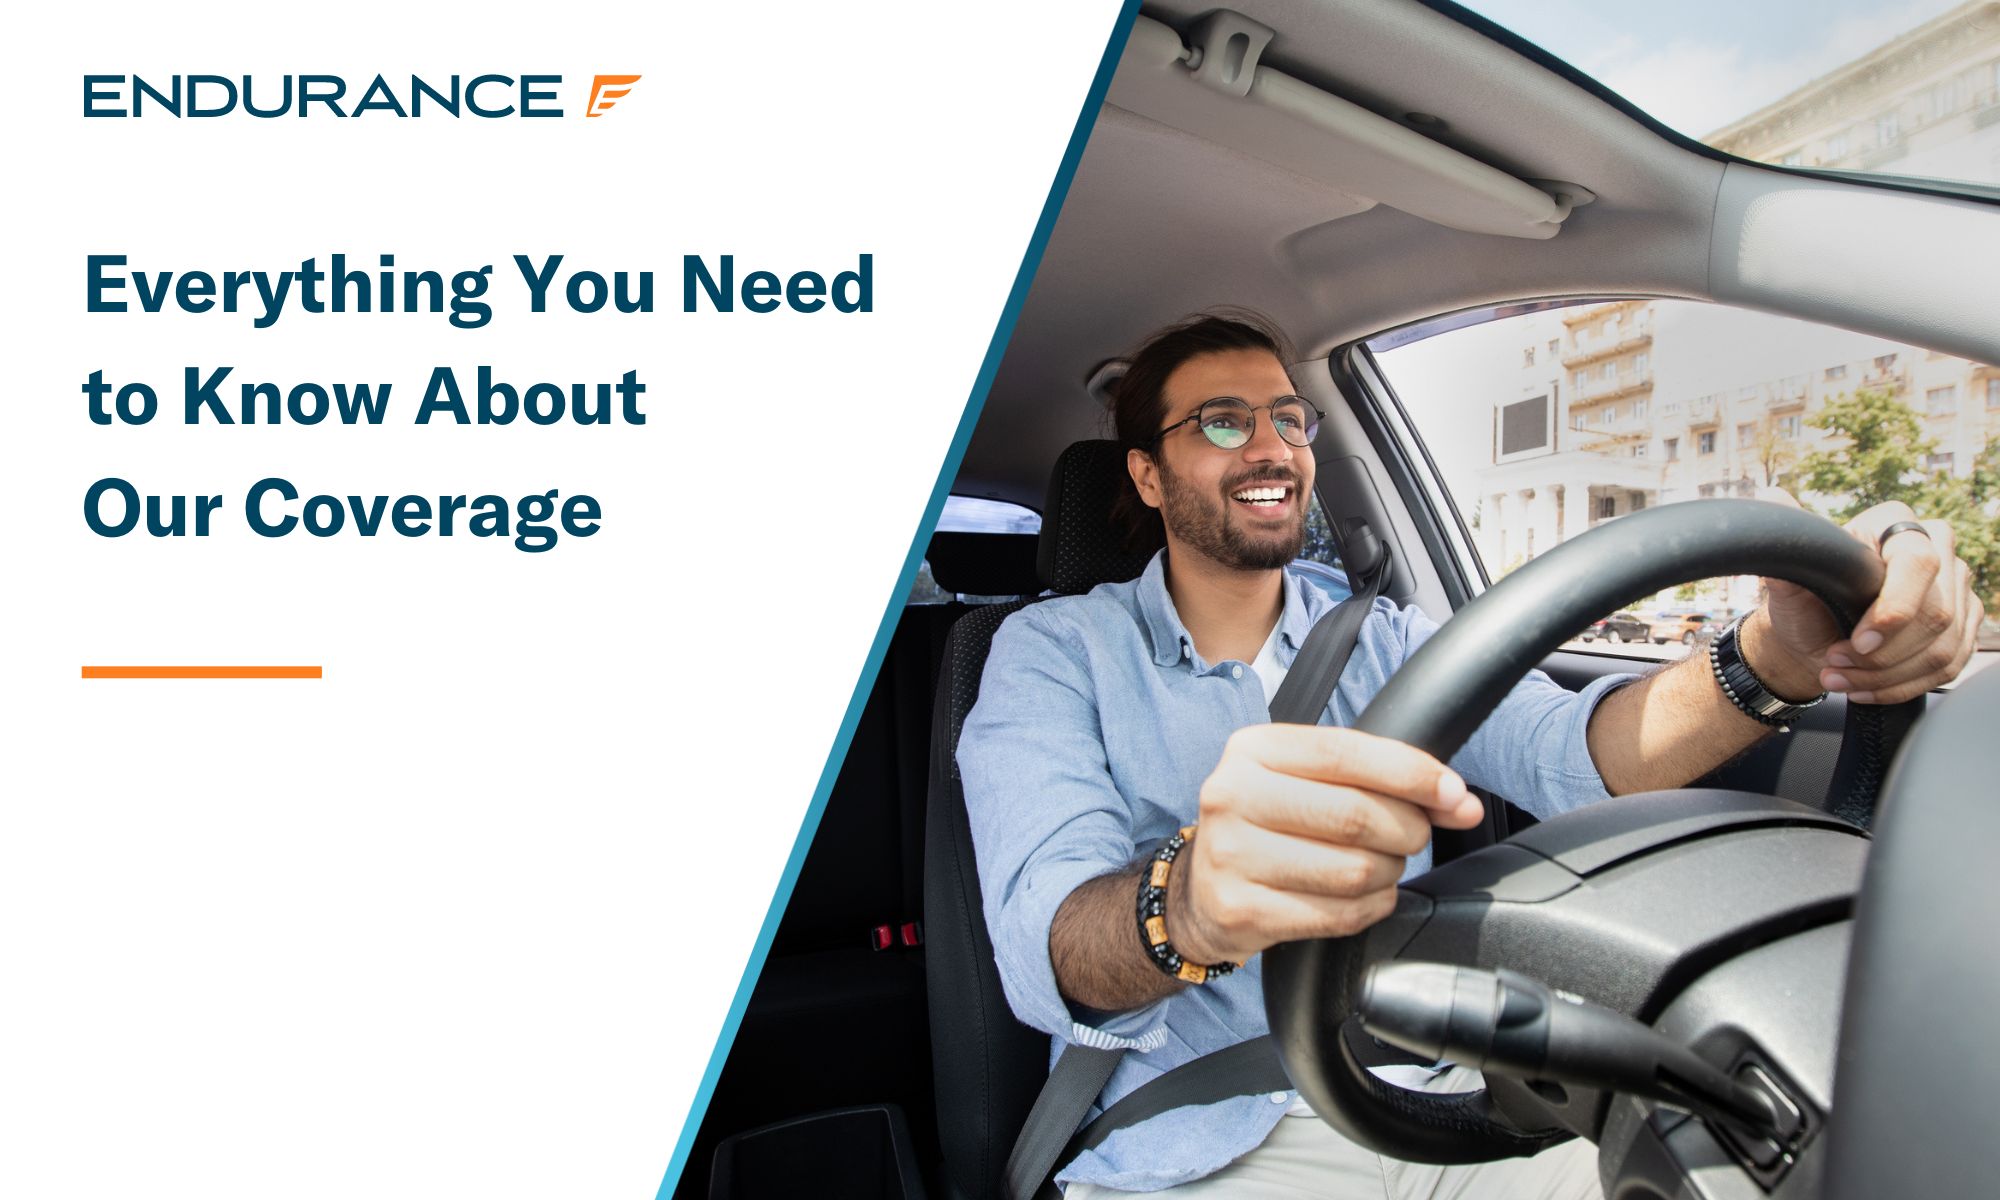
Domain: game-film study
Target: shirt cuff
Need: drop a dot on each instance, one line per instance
(1098, 1037)
(1574, 773)
(1029, 978)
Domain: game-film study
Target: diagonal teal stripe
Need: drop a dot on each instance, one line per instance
(1031, 260)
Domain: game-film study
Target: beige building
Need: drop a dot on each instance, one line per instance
(1620, 406)
(1925, 104)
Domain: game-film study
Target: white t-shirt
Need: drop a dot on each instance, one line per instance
(1267, 667)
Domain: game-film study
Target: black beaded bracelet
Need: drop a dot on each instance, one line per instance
(1152, 912)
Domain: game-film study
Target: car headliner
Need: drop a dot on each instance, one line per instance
(1160, 223)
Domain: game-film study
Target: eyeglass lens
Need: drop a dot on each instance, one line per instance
(1229, 422)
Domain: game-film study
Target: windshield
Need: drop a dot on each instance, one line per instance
(1906, 88)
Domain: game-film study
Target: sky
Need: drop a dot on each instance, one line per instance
(1699, 65)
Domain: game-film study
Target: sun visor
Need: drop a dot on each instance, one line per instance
(1217, 91)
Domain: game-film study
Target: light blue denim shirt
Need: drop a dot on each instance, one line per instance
(1095, 726)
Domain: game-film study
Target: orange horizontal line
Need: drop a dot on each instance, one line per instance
(201, 672)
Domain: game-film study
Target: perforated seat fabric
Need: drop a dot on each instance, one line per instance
(987, 1066)
(1092, 549)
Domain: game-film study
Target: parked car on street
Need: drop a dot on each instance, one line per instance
(1620, 627)
(1689, 629)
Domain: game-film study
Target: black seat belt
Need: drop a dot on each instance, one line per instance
(1309, 683)
(1050, 1135)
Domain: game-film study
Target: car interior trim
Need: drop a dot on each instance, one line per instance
(1313, 133)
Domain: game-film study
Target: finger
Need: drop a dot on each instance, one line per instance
(1867, 528)
(1293, 916)
(1294, 864)
(1348, 756)
(1334, 813)
(1910, 610)
(1939, 664)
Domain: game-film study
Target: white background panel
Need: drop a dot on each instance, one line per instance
(464, 917)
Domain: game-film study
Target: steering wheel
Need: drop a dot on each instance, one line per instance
(1435, 702)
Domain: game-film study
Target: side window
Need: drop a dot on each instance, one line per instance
(1709, 402)
(1320, 545)
(969, 514)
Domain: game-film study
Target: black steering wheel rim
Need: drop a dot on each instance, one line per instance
(1442, 694)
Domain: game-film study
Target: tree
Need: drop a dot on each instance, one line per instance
(1972, 504)
(1879, 457)
(1775, 454)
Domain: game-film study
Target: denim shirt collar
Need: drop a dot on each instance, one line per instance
(1171, 643)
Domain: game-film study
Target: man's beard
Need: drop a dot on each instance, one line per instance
(1206, 524)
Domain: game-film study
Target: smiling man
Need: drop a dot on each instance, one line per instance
(1108, 722)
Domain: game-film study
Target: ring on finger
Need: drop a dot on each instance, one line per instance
(1882, 543)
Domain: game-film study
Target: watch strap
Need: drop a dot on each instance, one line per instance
(1747, 692)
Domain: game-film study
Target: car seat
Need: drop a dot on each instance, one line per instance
(987, 1066)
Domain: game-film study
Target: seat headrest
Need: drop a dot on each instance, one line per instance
(985, 564)
(1081, 545)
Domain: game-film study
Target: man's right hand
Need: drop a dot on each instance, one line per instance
(1303, 832)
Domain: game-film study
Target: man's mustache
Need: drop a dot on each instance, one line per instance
(1255, 478)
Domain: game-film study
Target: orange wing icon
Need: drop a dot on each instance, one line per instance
(605, 90)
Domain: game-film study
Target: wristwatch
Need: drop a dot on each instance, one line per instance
(1744, 689)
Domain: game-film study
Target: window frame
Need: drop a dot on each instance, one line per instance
(1427, 499)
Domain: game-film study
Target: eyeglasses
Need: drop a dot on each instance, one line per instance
(1229, 423)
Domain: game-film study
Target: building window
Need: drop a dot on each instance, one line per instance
(1884, 363)
(1941, 402)
(1704, 443)
(1638, 409)
(1637, 501)
(1839, 372)
(1673, 449)
(1746, 436)
(1706, 491)
(1607, 506)
(1992, 394)
(1611, 415)
(1790, 426)
(1944, 99)
(1576, 421)
(1528, 357)
(1554, 343)
(1669, 407)
(1580, 377)
(1940, 462)
(1640, 362)
(1639, 451)
(1836, 146)
(1607, 370)
(1886, 128)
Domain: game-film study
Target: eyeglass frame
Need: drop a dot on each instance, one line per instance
(1251, 434)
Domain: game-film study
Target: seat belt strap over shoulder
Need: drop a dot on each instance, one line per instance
(1051, 1135)
(1309, 684)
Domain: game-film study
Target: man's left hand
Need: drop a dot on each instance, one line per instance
(1920, 631)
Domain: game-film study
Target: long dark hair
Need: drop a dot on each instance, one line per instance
(1139, 398)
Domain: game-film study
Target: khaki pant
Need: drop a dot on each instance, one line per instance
(1305, 1157)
